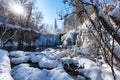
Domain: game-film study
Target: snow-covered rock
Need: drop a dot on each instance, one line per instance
(59, 74)
(29, 73)
(5, 66)
(4, 52)
(36, 56)
(53, 54)
(55, 61)
(20, 60)
(86, 63)
(17, 53)
(4, 61)
(48, 63)
(5, 76)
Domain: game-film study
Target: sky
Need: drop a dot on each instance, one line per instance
(49, 9)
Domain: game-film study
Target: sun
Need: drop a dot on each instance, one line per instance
(17, 8)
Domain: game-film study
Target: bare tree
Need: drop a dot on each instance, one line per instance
(31, 20)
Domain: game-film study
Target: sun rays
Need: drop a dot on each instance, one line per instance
(17, 8)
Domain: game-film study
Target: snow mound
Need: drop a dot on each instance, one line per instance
(48, 63)
(94, 72)
(5, 66)
(17, 53)
(29, 73)
(35, 58)
(20, 60)
(58, 64)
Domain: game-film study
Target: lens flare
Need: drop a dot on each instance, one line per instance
(17, 8)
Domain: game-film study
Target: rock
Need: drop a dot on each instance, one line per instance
(92, 71)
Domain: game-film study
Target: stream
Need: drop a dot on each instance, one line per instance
(27, 48)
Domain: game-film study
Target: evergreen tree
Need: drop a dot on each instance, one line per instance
(55, 26)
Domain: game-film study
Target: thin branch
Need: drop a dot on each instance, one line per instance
(11, 37)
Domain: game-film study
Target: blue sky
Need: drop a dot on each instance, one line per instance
(50, 8)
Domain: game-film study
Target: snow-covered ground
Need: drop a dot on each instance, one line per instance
(5, 66)
(51, 64)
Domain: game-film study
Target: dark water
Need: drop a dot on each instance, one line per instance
(27, 48)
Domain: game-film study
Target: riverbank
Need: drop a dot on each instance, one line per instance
(52, 64)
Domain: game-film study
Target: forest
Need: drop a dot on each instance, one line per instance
(85, 47)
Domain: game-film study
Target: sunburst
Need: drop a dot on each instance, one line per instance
(17, 8)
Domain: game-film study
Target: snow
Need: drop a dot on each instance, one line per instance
(50, 66)
(116, 11)
(117, 50)
(37, 74)
(4, 61)
(48, 40)
(10, 26)
(5, 66)
(17, 53)
(86, 63)
(48, 63)
(59, 74)
(94, 72)
(69, 38)
(4, 52)
(20, 60)
(18, 57)
(35, 58)
(90, 69)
